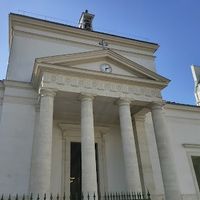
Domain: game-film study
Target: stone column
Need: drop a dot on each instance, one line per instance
(165, 154)
(129, 148)
(89, 175)
(42, 146)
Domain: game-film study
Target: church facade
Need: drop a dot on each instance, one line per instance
(82, 111)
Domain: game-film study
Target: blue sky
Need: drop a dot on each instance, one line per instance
(173, 24)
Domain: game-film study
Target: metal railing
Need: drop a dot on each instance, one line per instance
(106, 196)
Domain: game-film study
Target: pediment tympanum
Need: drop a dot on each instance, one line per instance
(83, 72)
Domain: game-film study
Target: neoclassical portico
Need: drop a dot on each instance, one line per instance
(139, 88)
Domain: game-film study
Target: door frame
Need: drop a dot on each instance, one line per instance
(71, 133)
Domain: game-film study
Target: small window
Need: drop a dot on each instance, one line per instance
(196, 165)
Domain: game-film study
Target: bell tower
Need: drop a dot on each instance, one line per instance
(196, 77)
(85, 21)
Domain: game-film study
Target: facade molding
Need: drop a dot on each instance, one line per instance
(38, 24)
(99, 87)
(71, 59)
(182, 107)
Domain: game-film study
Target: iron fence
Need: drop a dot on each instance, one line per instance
(106, 196)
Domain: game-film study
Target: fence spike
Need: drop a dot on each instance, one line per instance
(129, 195)
(126, 195)
(94, 196)
(23, 197)
(31, 196)
(148, 195)
(139, 195)
(57, 197)
(135, 196)
(88, 196)
(143, 196)
(111, 196)
(108, 196)
(116, 198)
(118, 195)
(82, 196)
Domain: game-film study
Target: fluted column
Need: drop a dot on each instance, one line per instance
(40, 179)
(165, 154)
(129, 148)
(89, 175)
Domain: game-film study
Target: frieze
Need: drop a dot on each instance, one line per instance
(107, 88)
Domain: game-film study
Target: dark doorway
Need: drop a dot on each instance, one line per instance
(75, 169)
(196, 165)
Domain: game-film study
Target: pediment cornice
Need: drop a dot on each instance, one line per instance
(64, 63)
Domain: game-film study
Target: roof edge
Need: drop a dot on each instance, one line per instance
(182, 106)
(13, 17)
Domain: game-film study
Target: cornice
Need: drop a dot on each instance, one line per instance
(56, 69)
(191, 146)
(18, 84)
(70, 59)
(20, 100)
(39, 24)
(182, 107)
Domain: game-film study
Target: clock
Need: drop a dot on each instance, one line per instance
(106, 68)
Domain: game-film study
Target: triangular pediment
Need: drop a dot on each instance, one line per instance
(92, 61)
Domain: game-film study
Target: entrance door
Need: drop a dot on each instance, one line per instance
(75, 169)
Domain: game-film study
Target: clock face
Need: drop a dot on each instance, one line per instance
(106, 68)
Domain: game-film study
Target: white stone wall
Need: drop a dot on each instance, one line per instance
(26, 47)
(184, 129)
(16, 133)
(115, 169)
(1, 98)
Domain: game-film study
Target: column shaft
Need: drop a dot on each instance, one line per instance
(165, 155)
(129, 148)
(89, 175)
(40, 179)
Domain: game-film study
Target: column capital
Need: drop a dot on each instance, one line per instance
(139, 117)
(47, 92)
(86, 96)
(123, 101)
(157, 105)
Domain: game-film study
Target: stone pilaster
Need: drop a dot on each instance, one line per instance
(89, 175)
(146, 167)
(165, 154)
(40, 179)
(129, 148)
